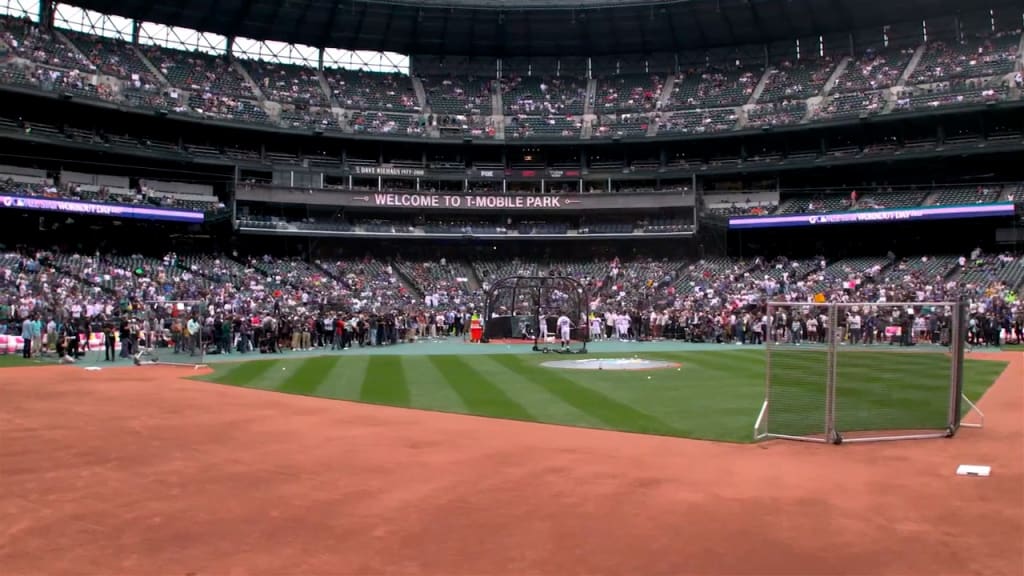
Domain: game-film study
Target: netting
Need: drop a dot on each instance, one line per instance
(838, 372)
(541, 309)
(893, 369)
(797, 370)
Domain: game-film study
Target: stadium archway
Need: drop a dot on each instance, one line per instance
(528, 307)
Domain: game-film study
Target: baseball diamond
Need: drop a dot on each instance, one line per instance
(512, 288)
(713, 395)
(265, 470)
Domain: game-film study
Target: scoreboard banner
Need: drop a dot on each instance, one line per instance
(441, 202)
(97, 209)
(874, 216)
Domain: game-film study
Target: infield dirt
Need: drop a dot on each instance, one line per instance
(138, 471)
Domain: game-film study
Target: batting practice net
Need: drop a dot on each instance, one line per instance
(849, 372)
(527, 308)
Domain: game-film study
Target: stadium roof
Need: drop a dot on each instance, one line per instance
(532, 27)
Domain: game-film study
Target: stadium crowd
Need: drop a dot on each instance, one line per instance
(231, 304)
(695, 99)
(139, 195)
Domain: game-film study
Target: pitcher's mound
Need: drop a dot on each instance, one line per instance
(611, 364)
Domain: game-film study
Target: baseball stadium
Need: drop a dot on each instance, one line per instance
(512, 287)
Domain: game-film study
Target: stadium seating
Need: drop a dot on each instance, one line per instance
(157, 99)
(315, 118)
(41, 46)
(902, 199)
(852, 104)
(545, 228)
(924, 268)
(454, 95)
(837, 276)
(534, 96)
(666, 225)
(199, 72)
(776, 113)
(803, 205)
(986, 270)
(941, 97)
(744, 209)
(713, 87)
(385, 123)
(703, 99)
(226, 107)
(472, 126)
(621, 126)
(358, 90)
(550, 127)
(288, 83)
(697, 121)
(290, 287)
(115, 58)
(444, 281)
(628, 93)
(875, 70)
(967, 195)
(974, 58)
(793, 80)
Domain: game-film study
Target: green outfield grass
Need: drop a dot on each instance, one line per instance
(715, 395)
(895, 389)
(15, 361)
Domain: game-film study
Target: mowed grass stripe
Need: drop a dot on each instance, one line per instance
(680, 396)
(429, 387)
(524, 389)
(307, 377)
(344, 380)
(610, 412)
(262, 374)
(385, 382)
(478, 393)
(715, 395)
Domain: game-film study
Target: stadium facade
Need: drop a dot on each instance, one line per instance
(697, 126)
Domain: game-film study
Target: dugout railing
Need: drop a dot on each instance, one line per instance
(860, 372)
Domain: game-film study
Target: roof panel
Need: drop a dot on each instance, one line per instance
(507, 28)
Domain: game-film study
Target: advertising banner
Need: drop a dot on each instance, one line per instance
(874, 216)
(97, 209)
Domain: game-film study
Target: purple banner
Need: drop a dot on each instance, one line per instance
(112, 210)
(874, 216)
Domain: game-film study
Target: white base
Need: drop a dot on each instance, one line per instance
(973, 470)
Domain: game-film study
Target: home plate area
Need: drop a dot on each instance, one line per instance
(611, 364)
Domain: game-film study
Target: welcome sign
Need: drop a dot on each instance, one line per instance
(460, 201)
(448, 201)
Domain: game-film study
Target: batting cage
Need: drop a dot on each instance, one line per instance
(857, 372)
(550, 311)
